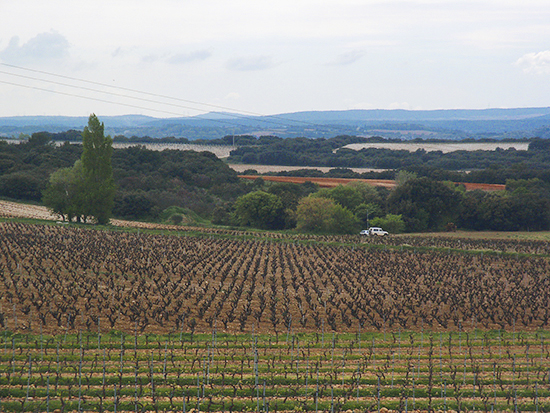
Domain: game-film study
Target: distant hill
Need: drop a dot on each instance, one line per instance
(404, 124)
(401, 115)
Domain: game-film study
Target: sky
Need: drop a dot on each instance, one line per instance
(167, 58)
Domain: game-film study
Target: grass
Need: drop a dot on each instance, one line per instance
(492, 235)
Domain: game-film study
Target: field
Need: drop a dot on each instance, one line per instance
(224, 320)
(58, 277)
(262, 169)
(221, 151)
(444, 147)
(387, 183)
(322, 182)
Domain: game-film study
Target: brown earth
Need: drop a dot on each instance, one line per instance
(58, 277)
(387, 183)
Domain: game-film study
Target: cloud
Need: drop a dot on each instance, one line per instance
(538, 63)
(232, 96)
(118, 52)
(183, 58)
(44, 46)
(347, 58)
(151, 58)
(250, 63)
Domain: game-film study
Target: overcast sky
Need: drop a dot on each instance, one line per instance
(270, 57)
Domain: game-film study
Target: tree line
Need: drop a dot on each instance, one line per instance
(417, 204)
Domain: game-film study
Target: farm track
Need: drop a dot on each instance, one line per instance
(10, 209)
(397, 371)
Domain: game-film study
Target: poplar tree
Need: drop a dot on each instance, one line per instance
(98, 173)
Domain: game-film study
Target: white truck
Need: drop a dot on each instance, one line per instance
(374, 231)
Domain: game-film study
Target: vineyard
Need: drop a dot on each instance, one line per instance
(460, 371)
(218, 320)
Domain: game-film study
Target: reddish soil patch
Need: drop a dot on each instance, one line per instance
(484, 187)
(332, 182)
(322, 182)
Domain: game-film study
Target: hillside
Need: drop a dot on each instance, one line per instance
(440, 124)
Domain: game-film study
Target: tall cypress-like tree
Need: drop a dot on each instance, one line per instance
(98, 172)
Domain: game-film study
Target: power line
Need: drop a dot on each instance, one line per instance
(278, 119)
(96, 90)
(126, 89)
(135, 98)
(89, 98)
(226, 122)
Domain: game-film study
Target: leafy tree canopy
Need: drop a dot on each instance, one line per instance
(88, 188)
(98, 172)
(425, 204)
(261, 210)
(323, 215)
(65, 192)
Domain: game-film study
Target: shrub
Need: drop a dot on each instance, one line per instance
(392, 223)
(323, 215)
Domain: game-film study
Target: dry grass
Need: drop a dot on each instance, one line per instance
(493, 235)
(221, 151)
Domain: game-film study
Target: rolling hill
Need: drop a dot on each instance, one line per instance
(403, 124)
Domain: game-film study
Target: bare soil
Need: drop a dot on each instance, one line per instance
(388, 183)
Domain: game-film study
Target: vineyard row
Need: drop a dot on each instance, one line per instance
(488, 371)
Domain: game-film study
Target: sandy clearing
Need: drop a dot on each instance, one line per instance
(221, 151)
(444, 147)
(262, 169)
(16, 210)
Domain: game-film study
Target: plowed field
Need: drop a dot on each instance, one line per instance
(332, 182)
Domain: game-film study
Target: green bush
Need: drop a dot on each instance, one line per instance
(392, 223)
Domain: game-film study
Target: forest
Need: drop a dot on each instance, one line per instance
(186, 186)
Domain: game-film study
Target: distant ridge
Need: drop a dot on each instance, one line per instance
(419, 115)
(406, 124)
